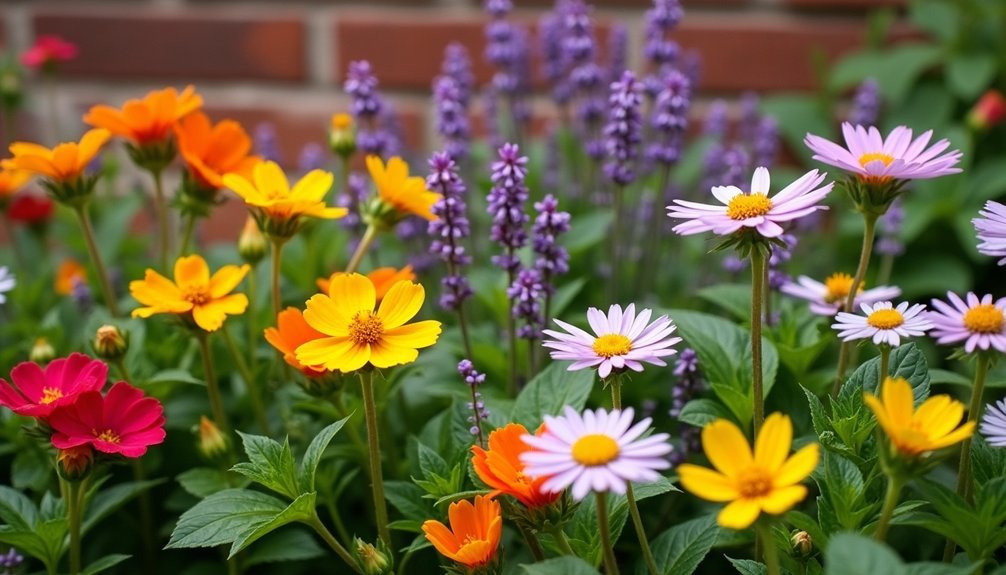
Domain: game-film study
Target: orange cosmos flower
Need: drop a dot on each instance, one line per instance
(501, 468)
(383, 279)
(63, 164)
(290, 332)
(194, 294)
(404, 194)
(146, 121)
(10, 182)
(211, 151)
(69, 273)
(474, 535)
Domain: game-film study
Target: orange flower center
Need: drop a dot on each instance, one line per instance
(885, 319)
(107, 435)
(753, 483)
(744, 206)
(49, 395)
(873, 157)
(366, 328)
(985, 318)
(197, 295)
(612, 344)
(595, 449)
(838, 286)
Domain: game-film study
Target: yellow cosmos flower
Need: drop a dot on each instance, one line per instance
(356, 335)
(383, 279)
(934, 426)
(406, 195)
(767, 480)
(194, 293)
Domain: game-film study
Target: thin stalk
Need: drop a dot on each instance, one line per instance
(190, 228)
(336, 518)
(212, 386)
(147, 533)
(610, 565)
(511, 327)
(615, 243)
(870, 222)
(161, 206)
(120, 364)
(373, 440)
(99, 265)
(894, 485)
(465, 339)
(325, 534)
(354, 434)
(532, 542)
(477, 413)
(885, 361)
(253, 391)
(757, 298)
(886, 267)
(361, 248)
(974, 411)
(232, 566)
(74, 513)
(771, 553)
(560, 539)
(250, 318)
(277, 263)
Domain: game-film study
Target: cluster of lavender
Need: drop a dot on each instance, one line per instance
(669, 118)
(551, 27)
(449, 229)
(372, 114)
(584, 74)
(623, 131)
(507, 50)
(865, 104)
(550, 258)
(451, 95)
(729, 163)
(312, 157)
(661, 52)
(526, 293)
(265, 142)
(410, 231)
(10, 560)
(688, 385)
(618, 51)
(506, 206)
(477, 406)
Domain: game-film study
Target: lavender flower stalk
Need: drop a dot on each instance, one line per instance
(265, 142)
(865, 104)
(661, 20)
(506, 49)
(889, 244)
(457, 65)
(312, 157)
(551, 259)
(452, 117)
(477, 405)
(585, 76)
(525, 294)
(368, 108)
(554, 63)
(618, 51)
(622, 133)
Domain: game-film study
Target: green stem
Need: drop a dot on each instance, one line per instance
(232, 566)
(771, 553)
(212, 385)
(651, 258)
(614, 241)
(84, 218)
(894, 485)
(885, 361)
(757, 299)
(354, 435)
(511, 327)
(253, 391)
(161, 206)
(562, 542)
(250, 318)
(886, 267)
(325, 534)
(361, 248)
(607, 546)
(74, 513)
(277, 264)
(147, 533)
(870, 222)
(336, 518)
(120, 364)
(964, 486)
(190, 228)
(373, 440)
(531, 541)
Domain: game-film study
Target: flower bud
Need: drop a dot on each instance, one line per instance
(212, 441)
(75, 462)
(989, 111)
(110, 343)
(342, 135)
(372, 560)
(802, 544)
(252, 245)
(42, 352)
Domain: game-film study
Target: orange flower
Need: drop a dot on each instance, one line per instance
(501, 468)
(63, 164)
(69, 273)
(383, 279)
(149, 120)
(11, 181)
(474, 535)
(211, 151)
(406, 195)
(293, 330)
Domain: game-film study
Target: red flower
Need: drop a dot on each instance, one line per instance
(124, 421)
(988, 111)
(48, 51)
(30, 209)
(37, 392)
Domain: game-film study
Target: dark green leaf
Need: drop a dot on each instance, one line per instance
(16, 510)
(203, 481)
(315, 450)
(301, 509)
(680, 549)
(700, 412)
(559, 566)
(550, 390)
(270, 463)
(221, 517)
(290, 544)
(748, 567)
(851, 554)
(106, 501)
(106, 562)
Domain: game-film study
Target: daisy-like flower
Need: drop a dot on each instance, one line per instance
(991, 230)
(210, 151)
(149, 120)
(123, 422)
(993, 425)
(404, 195)
(194, 294)
(62, 166)
(883, 323)
(383, 279)
(7, 283)
(756, 210)
(620, 340)
(767, 480)
(36, 391)
(979, 323)
(291, 332)
(501, 468)
(874, 158)
(912, 432)
(595, 451)
(474, 534)
(828, 298)
(357, 335)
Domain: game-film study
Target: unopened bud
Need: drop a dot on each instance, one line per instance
(372, 560)
(75, 462)
(802, 544)
(110, 343)
(252, 245)
(212, 441)
(988, 111)
(42, 352)
(342, 135)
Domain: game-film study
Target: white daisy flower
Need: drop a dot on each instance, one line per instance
(993, 425)
(7, 283)
(883, 322)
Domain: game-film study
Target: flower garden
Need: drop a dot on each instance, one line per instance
(634, 342)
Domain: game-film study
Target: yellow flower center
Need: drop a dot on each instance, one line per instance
(754, 482)
(107, 435)
(49, 395)
(744, 206)
(595, 449)
(197, 295)
(612, 344)
(838, 286)
(873, 157)
(885, 319)
(366, 328)
(985, 318)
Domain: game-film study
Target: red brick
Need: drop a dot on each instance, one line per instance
(843, 5)
(164, 47)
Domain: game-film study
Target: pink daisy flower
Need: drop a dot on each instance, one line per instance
(991, 230)
(597, 451)
(870, 156)
(993, 425)
(124, 421)
(979, 323)
(36, 391)
(828, 298)
(883, 323)
(620, 340)
(755, 210)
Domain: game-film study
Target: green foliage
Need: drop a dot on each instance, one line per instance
(680, 549)
(549, 391)
(565, 565)
(851, 554)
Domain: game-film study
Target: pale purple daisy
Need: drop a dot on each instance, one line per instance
(883, 322)
(870, 156)
(7, 283)
(620, 340)
(828, 298)
(754, 210)
(991, 230)
(597, 451)
(993, 425)
(979, 323)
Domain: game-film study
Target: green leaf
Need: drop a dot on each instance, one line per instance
(906, 361)
(700, 412)
(221, 517)
(270, 464)
(969, 74)
(588, 230)
(566, 565)
(106, 562)
(301, 509)
(680, 549)
(987, 462)
(315, 450)
(550, 390)
(798, 114)
(16, 509)
(106, 501)
(733, 298)
(748, 567)
(290, 544)
(204, 481)
(407, 498)
(933, 568)
(851, 554)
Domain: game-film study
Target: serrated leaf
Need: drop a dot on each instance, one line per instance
(203, 481)
(219, 518)
(680, 549)
(851, 554)
(700, 412)
(906, 361)
(407, 498)
(16, 509)
(106, 562)
(566, 565)
(290, 544)
(270, 464)
(312, 456)
(550, 390)
(301, 509)
(748, 567)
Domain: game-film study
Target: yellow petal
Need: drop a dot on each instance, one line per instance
(740, 514)
(324, 315)
(313, 186)
(271, 181)
(353, 293)
(782, 500)
(243, 188)
(415, 335)
(881, 414)
(92, 141)
(357, 357)
(154, 288)
(939, 415)
(192, 272)
(797, 467)
(401, 303)
(384, 355)
(963, 432)
(329, 352)
(210, 316)
(898, 401)
(774, 441)
(706, 483)
(726, 447)
(226, 279)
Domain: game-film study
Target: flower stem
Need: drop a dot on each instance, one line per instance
(325, 534)
(253, 391)
(885, 360)
(373, 440)
(511, 326)
(99, 265)
(610, 565)
(894, 485)
(870, 223)
(560, 539)
(250, 317)
(614, 242)
(771, 553)
(757, 299)
(73, 492)
(161, 207)
(212, 386)
(277, 263)
(361, 248)
(974, 411)
(190, 228)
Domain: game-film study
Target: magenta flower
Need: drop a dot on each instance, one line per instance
(883, 323)
(991, 230)
(36, 392)
(870, 156)
(754, 210)
(621, 340)
(48, 51)
(124, 421)
(979, 323)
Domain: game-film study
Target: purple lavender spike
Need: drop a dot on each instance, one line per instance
(623, 131)
(450, 229)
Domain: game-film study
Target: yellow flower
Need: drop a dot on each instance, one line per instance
(193, 294)
(767, 480)
(383, 279)
(357, 335)
(406, 195)
(934, 426)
